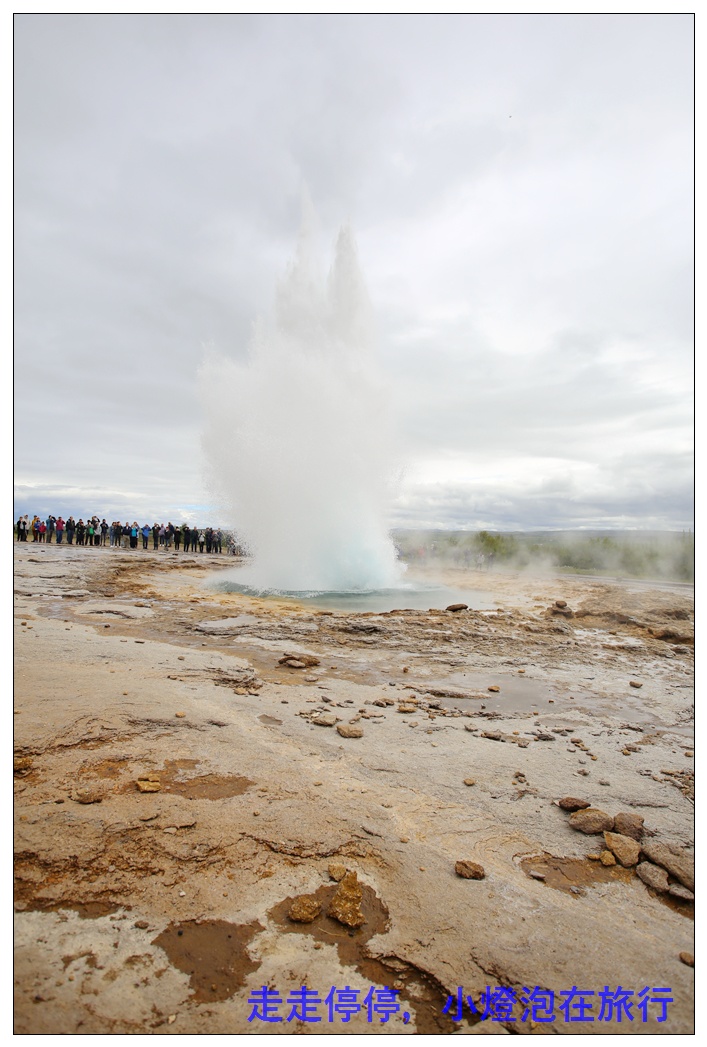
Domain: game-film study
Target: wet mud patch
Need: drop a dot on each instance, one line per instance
(213, 953)
(573, 875)
(105, 770)
(201, 787)
(414, 985)
(88, 910)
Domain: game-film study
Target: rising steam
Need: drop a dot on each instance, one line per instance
(297, 436)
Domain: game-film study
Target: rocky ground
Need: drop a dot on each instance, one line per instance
(216, 793)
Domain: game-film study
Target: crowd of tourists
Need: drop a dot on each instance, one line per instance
(116, 535)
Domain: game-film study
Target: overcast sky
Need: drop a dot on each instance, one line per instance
(520, 190)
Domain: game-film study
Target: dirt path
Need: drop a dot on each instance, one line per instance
(168, 910)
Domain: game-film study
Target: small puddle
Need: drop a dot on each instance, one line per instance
(213, 953)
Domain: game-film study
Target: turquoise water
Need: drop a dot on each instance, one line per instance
(404, 597)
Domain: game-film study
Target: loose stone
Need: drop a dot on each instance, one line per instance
(678, 865)
(304, 909)
(653, 876)
(345, 906)
(591, 821)
(350, 730)
(324, 719)
(678, 891)
(626, 849)
(469, 870)
(629, 824)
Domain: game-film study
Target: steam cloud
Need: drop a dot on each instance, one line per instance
(298, 437)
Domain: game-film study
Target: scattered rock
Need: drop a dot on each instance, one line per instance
(87, 794)
(607, 858)
(634, 683)
(678, 891)
(653, 876)
(535, 874)
(470, 781)
(591, 821)
(345, 906)
(469, 870)
(147, 785)
(337, 871)
(180, 715)
(678, 865)
(293, 663)
(350, 730)
(687, 958)
(21, 765)
(571, 803)
(495, 736)
(304, 909)
(458, 607)
(493, 688)
(306, 661)
(544, 736)
(560, 603)
(403, 708)
(324, 719)
(629, 824)
(626, 849)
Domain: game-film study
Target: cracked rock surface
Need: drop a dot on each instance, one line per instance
(163, 911)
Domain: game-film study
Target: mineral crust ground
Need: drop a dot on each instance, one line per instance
(191, 824)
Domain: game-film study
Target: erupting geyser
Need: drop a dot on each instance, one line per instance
(297, 436)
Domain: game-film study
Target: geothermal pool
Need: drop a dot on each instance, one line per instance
(403, 597)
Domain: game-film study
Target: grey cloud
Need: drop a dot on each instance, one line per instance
(521, 188)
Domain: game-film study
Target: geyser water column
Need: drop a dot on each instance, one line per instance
(297, 436)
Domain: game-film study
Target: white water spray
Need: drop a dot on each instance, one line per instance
(297, 436)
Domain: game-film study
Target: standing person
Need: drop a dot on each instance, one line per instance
(90, 531)
(42, 530)
(104, 531)
(168, 532)
(51, 524)
(80, 531)
(161, 534)
(202, 540)
(194, 538)
(155, 536)
(18, 528)
(70, 530)
(35, 528)
(145, 535)
(177, 538)
(218, 539)
(134, 531)
(59, 530)
(208, 534)
(186, 536)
